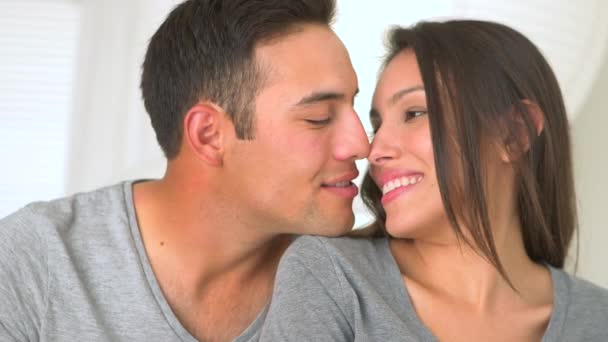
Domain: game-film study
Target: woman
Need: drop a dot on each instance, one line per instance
(472, 188)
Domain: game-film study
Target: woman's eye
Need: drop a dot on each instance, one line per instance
(375, 122)
(412, 114)
(375, 128)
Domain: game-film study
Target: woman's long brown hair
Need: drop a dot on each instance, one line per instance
(476, 74)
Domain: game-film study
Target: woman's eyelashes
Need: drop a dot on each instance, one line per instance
(375, 122)
(414, 113)
(408, 115)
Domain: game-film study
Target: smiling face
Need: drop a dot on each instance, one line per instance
(401, 157)
(296, 175)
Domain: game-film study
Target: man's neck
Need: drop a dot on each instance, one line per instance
(205, 260)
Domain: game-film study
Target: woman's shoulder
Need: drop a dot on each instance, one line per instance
(588, 296)
(586, 305)
(317, 250)
(342, 260)
(314, 291)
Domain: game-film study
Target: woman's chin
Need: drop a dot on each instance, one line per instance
(401, 231)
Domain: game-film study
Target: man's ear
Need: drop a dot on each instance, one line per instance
(518, 140)
(203, 132)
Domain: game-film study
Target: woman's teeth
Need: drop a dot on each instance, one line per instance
(400, 182)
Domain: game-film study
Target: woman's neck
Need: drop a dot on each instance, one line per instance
(458, 272)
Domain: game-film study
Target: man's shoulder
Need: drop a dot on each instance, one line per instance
(71, 265)
(64, 212)
(29, 231)
(36, 249)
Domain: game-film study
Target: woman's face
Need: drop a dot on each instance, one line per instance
(401, 157)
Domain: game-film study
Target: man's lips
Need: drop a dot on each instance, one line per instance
(343, 185)
(341, 180)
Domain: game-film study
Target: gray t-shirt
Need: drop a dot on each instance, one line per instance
(346, 289)
(75, 269)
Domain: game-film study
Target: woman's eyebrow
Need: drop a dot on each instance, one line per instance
(398, 95)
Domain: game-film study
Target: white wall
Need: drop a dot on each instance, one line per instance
(111, 135)
(591, 176)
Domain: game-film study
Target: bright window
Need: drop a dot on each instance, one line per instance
(38, 40)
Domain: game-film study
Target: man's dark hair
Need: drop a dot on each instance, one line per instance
(205, 50)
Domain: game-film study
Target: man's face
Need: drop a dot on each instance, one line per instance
(295, 175)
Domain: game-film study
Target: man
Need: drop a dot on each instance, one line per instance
(252, 104)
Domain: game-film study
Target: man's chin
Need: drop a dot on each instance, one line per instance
(338, 228)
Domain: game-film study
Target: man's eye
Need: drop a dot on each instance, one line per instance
(412, 114)
(321, 122)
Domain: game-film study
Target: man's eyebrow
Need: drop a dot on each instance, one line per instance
(321, 96)
(398, 95)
